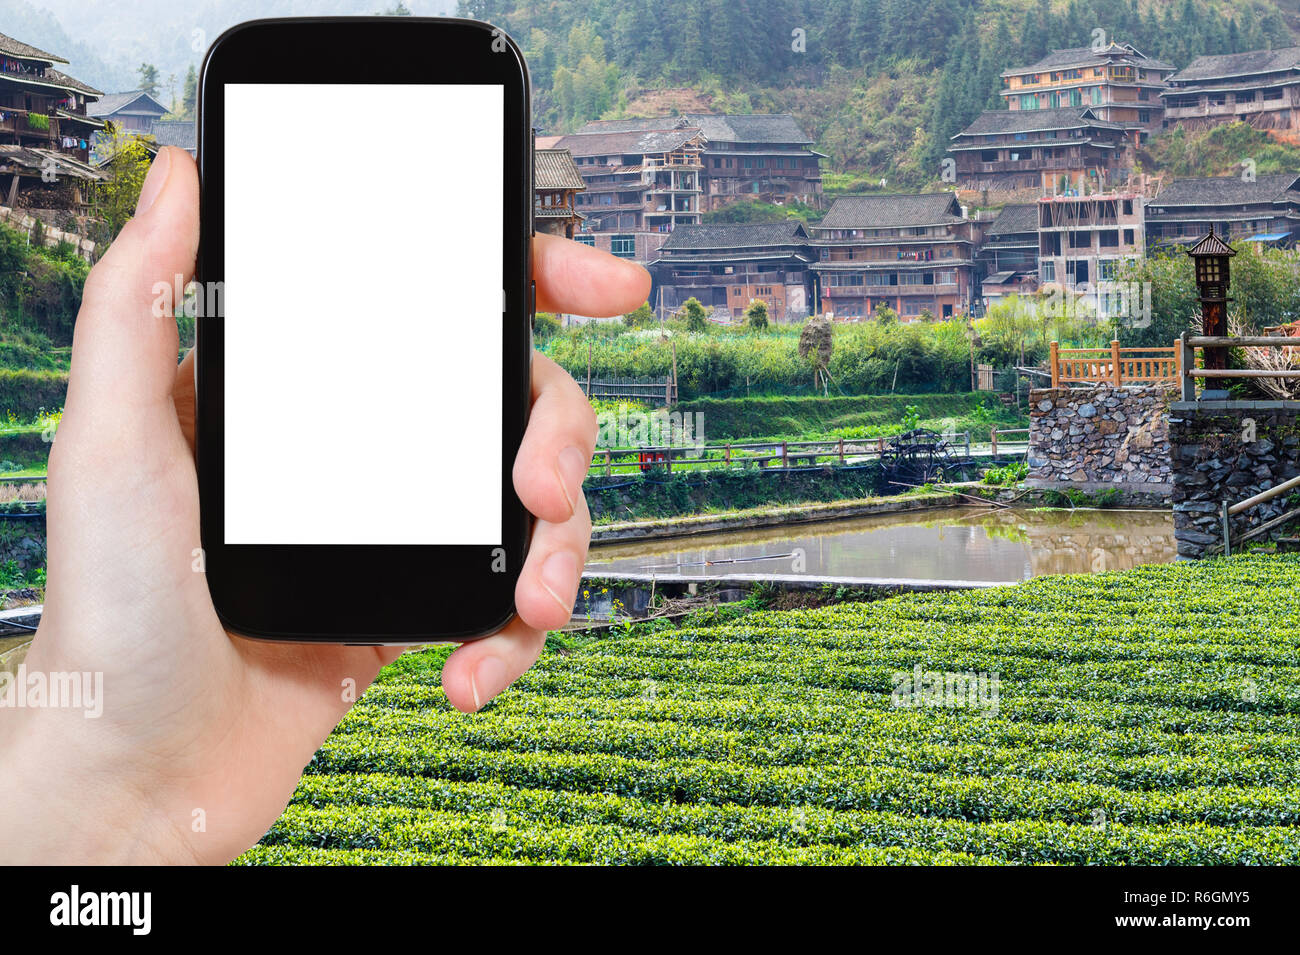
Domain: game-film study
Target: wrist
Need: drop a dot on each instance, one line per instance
(68, 806)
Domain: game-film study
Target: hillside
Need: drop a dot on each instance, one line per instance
(880, 84)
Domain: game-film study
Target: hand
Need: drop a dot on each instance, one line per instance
(196, 720)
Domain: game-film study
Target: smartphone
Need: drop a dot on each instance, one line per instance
(364, 326)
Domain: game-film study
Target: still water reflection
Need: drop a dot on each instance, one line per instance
(951, 544)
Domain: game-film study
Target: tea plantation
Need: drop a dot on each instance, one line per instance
(1143, 717)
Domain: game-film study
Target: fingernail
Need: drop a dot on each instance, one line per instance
(154, 182)
(560, 576)
(486, 680)
(572, 467)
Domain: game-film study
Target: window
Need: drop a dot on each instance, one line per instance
(989, 155)
(1106, 270)
(582, 238)
(1108, 238)
(1048, 269)
(1128, 237)
(623, 246)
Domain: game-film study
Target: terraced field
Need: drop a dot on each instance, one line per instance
(1143, 717)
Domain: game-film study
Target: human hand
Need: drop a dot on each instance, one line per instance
(198, 723)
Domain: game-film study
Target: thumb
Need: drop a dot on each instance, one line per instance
(125, 342)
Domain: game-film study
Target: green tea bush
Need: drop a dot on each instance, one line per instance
(1146, 717)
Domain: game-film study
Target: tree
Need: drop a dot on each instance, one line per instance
(756, 316)
(126, 165)
(190, 94)
(695, 316)
(639, 317)
(149, 79)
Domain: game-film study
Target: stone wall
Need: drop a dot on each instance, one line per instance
(1101, 438)
(1229, 451)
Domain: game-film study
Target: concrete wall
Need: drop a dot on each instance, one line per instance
(1102, 438)
(1229, 451)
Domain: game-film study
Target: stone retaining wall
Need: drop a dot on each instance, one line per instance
(1102, 438)
(1229, 451)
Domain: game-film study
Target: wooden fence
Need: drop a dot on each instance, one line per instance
(779, 454)
(1114, 365)
(632, 389)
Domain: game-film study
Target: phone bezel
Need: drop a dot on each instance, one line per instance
(393, 594)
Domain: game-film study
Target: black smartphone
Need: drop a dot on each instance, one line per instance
(365, 306)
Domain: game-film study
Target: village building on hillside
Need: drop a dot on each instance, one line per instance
(640, 186)
(1261, 88)
(912, 253)
(1084, 241)
(1054, 151)
(45, 133)
(1264, 209)
(556, 184)
(764, 156)
(132, 112)
(728, 266)
(1118, 82)
(1008, 254)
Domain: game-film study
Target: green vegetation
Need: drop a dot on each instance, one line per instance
(871, 357)
(653, 494)
(1142, 717)
(882, 84)
(40, 293)
(1264, 291)
(1006, 475)
(866, 416)
(1219, 151)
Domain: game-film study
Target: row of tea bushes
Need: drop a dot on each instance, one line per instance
(1144, 717)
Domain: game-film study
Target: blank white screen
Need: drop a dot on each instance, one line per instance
(363, 322)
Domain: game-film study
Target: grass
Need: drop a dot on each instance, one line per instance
(1149, 716)
(859, 416)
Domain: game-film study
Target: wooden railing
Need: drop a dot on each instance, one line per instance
(764, 455)
(1114, 365)
(1187, 345)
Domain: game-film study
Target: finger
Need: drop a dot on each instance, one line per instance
(548, 583)
(124, 345)
(556, 451)
(572, 277)
(478, 671)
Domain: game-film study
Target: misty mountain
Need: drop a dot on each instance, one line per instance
(107, 40)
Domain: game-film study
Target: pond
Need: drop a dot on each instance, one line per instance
(970, 544)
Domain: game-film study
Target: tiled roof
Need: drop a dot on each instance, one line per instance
(1211, 245)
(176, 132)
(882, 212)
(111, 103)
(20, 49)
(992, 122)
(69, 82)
(1229, 190)
(1087, 56)
(1238, 64)
(626, 142)
(717, 127)
(1013, 219)
(555, 169)
(748, 235)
